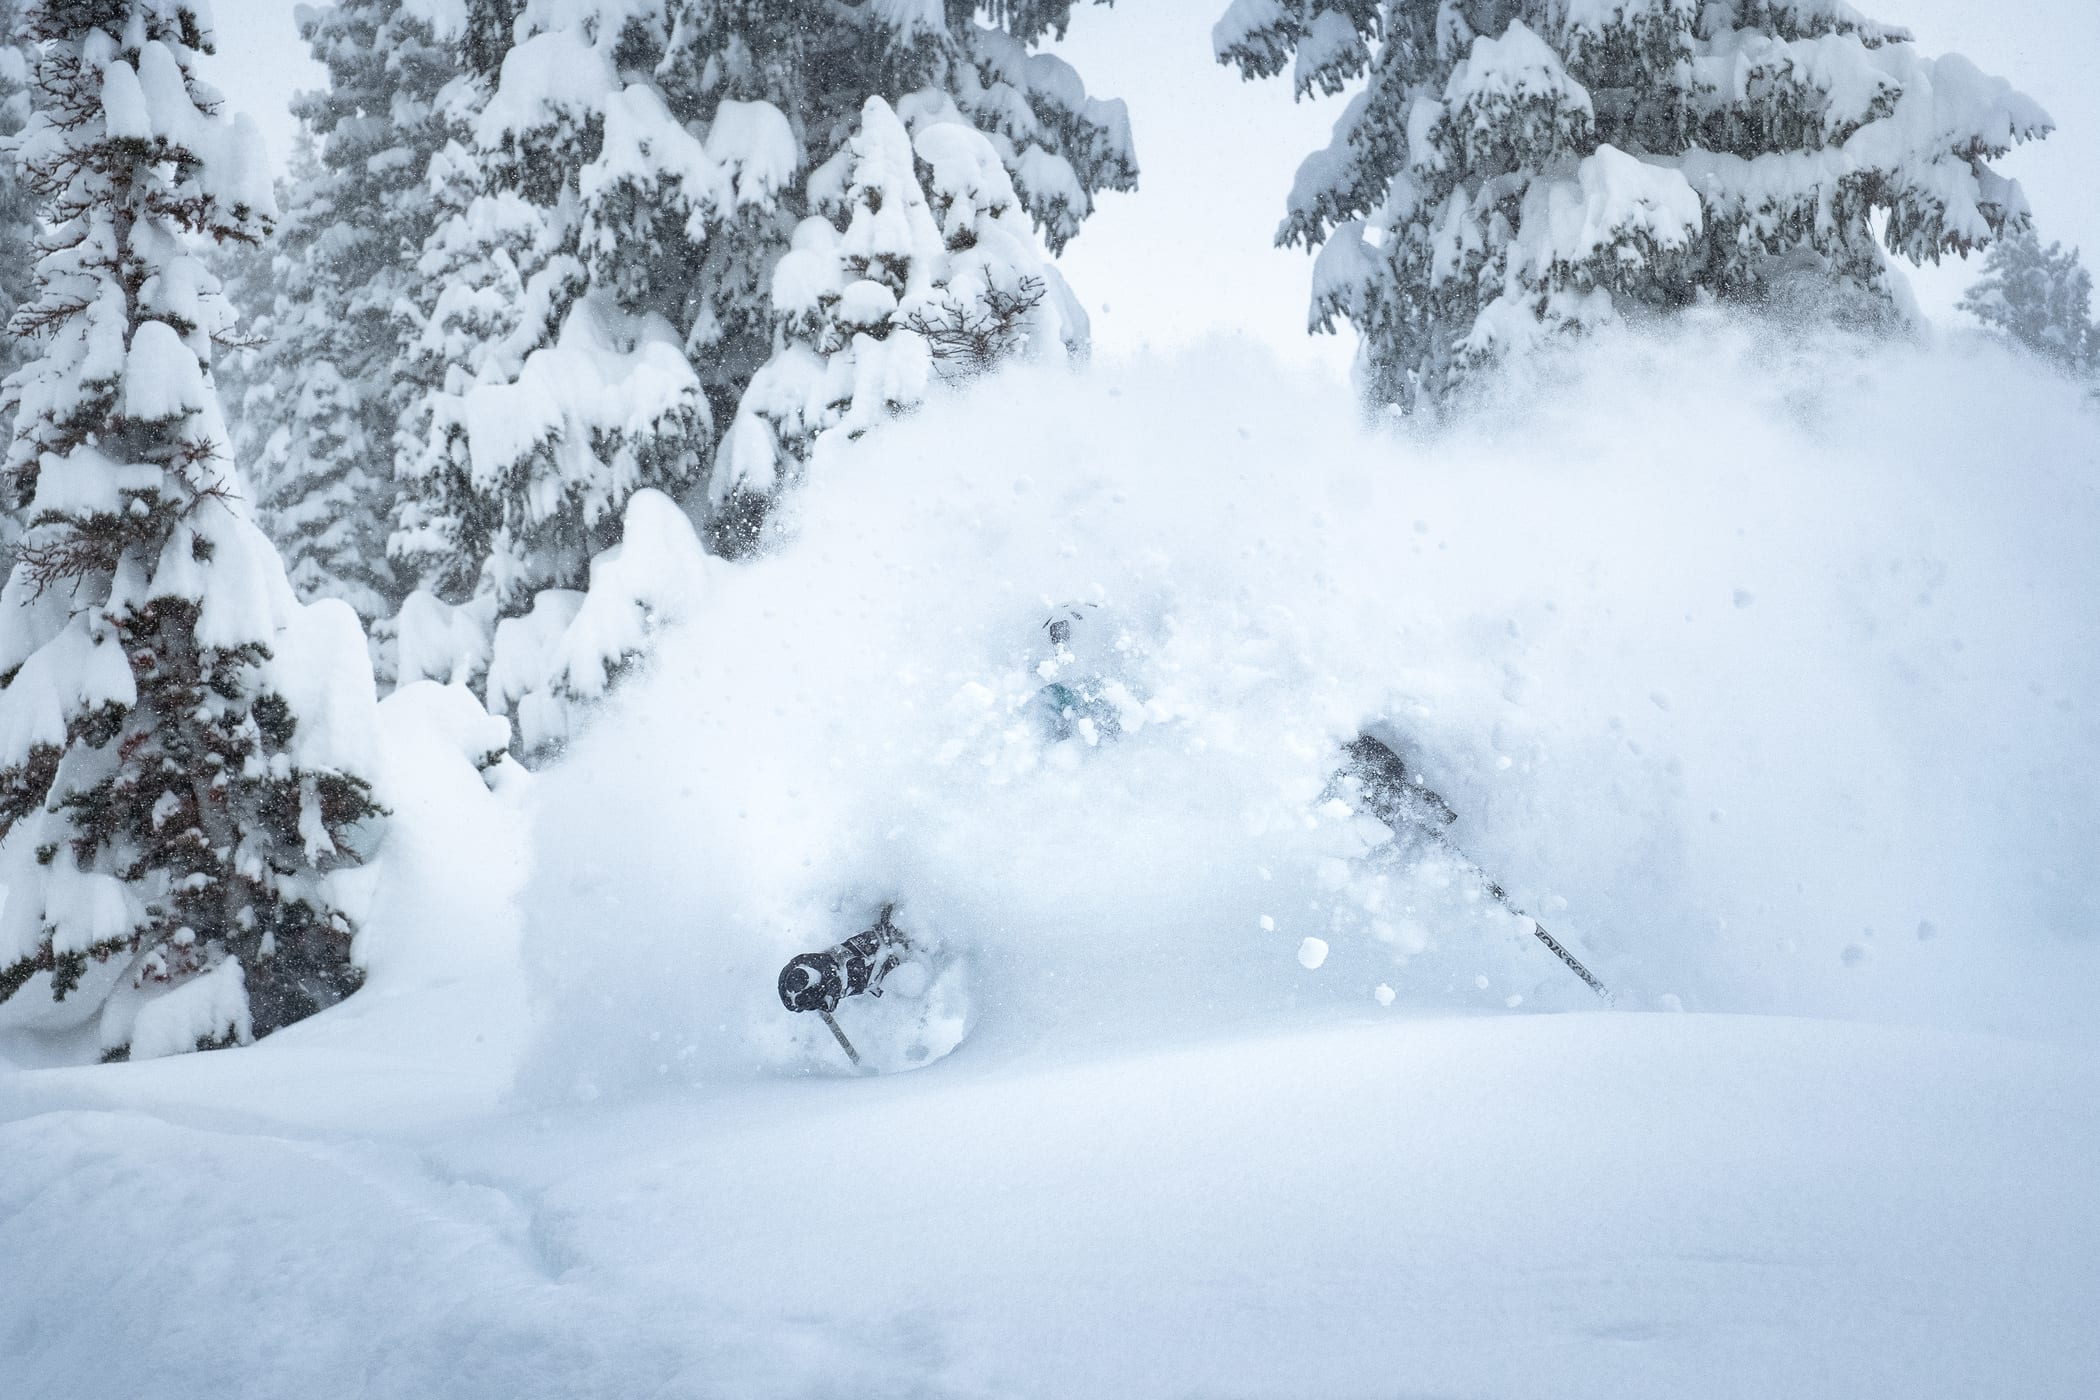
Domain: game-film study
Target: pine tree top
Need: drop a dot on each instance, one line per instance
(1508, 171)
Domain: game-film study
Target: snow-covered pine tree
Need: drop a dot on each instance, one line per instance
(17, 205)
(182, 743)
(242, 365)
(324, 487)
(920, 254)
(356, 220)
(491, 278)
(2042, 298)
(625, 176)
(548, 401)
(667, 146)
(817, 66)
(1510, 168)
(725, 66)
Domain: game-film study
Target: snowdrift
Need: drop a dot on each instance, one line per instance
(1747, 657)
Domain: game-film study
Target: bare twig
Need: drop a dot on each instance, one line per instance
(969, 338)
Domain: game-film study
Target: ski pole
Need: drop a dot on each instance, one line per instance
(1558, 949)
(844, 1044)
(1400, 803)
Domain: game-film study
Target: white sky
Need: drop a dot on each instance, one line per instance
(1189, 255)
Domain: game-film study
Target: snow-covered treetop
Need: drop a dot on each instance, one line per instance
(659, 156)
(134, 114)
(151, 103)
(2041, 298)
(1755, 79)
(819, 64)
(1763, 130)
(919, 254)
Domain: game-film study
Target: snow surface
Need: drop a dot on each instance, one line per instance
(1743, 658)
(1609, 1206)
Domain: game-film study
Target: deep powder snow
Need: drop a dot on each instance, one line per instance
(1746, 660)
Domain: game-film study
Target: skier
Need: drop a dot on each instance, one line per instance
(1375, 780)
(1372, 779)
(1073, 704)
(857, 967)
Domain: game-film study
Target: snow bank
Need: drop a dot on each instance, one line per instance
(1742, 656)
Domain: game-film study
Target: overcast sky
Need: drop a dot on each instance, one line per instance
(1189, 255)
